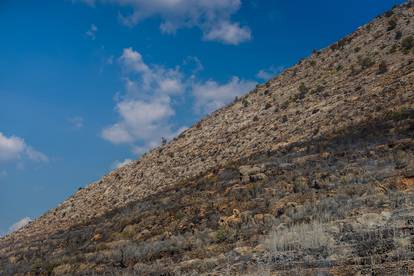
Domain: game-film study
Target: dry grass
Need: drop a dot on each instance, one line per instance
(300, 236)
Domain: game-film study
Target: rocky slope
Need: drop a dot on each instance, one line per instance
(312, 172)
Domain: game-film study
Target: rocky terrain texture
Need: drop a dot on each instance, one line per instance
(311, 173)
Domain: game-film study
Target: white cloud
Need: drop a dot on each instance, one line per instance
(228, 33)
(193, 64)
(145, 110)
(20, 224)
(91, 33)
(118, 164)
(213, 17)
(151, 79)
(36, 155)
(117, 134)
(267, 74)
(76, 122)
(14, 148)
(211, 95)
(140, 120)
(11, 148)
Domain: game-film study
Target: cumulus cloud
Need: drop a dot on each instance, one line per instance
(20, 224)
(213, 17)
(146, 108)
(11, 148)
(228, 33)
(211, 95)
(14, 148)
(91, 33)
(140, 120)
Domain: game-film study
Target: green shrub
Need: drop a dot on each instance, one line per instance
(284, 105)
(245, 102)
(225, 234)
(365, 62)
(407, 44)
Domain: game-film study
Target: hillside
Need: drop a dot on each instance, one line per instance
(312, 172)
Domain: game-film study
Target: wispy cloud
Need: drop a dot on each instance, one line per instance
(76, 122)
(91, 32)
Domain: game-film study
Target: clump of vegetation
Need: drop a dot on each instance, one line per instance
(303, 90)
(312, 63)
(245, 102)
(407, 44)
(284, 105)
(401, 114)
(357, 49)
(382, 68)
(268, 105)
(318, 89)
(393, 49)
(392, 24)
(354, 71)
(339, 67)
(312, 235)
(398, 35)
(225, 234)
(365, 62)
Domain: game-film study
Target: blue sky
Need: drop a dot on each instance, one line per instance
(87, 85)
